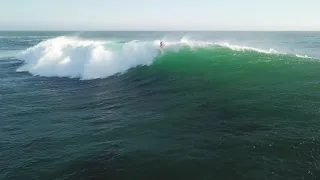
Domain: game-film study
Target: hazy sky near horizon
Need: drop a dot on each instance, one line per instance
(159, 15)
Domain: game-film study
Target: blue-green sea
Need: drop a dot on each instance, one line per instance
(116, 105)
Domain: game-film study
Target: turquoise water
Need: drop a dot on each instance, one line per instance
(112, 105)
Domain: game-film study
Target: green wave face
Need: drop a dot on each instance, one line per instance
(231, 82)
(242, 68)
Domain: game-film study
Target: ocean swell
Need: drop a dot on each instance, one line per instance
(90, 59)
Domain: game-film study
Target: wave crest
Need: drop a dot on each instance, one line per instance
(90, 59)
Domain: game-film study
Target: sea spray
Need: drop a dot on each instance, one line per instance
(73, 57)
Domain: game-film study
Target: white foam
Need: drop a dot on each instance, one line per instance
(86, 59)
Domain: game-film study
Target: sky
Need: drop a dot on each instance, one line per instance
(160, 15)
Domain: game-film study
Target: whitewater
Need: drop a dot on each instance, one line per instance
(75, 57)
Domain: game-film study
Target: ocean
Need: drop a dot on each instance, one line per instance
(114, 105)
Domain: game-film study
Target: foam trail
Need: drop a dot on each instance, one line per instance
(246, 48)
(185, 41)
(191, 43)
(8, 54)
(303, 56)
(86, 59)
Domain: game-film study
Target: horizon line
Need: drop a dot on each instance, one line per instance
(150, 30)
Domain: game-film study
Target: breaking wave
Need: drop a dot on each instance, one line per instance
(90, 59)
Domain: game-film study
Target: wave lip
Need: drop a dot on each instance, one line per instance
(246, 48)
(85, 59)
(304, 56)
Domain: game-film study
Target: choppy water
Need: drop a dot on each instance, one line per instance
(113, 105)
